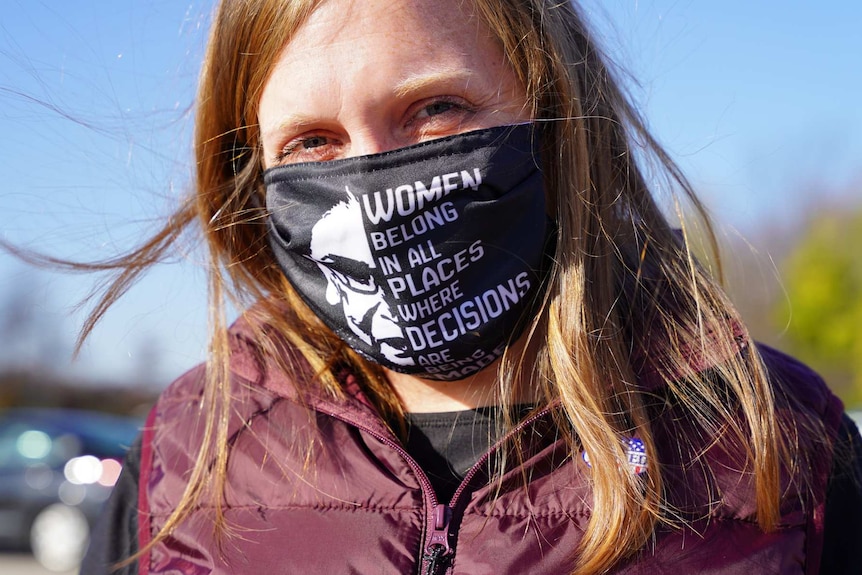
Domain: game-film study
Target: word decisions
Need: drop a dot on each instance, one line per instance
(468, 315)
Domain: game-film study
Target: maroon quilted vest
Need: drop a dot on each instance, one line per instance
(355, 502)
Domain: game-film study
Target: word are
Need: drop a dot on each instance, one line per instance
(459, 368)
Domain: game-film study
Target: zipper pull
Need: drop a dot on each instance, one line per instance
(437, 549)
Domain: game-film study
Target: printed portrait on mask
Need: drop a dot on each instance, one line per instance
(340, 249)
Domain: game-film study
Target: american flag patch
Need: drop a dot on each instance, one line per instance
(635, 455)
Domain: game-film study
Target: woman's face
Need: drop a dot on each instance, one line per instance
(367, 76)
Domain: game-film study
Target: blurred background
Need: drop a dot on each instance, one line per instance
(760, 103)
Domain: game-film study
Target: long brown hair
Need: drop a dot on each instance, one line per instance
(625, 294)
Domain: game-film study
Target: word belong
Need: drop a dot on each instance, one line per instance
(423, 222)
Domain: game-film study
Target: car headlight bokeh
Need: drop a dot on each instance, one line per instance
(88, 469)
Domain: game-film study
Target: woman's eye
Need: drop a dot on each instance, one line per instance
(445, 107)
(313, 142)
(436, 108)
(439, 117)
(306, 149)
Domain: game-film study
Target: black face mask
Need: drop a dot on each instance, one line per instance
(428, 259)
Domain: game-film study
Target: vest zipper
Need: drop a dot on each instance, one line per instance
(438, 553)
(487, 455)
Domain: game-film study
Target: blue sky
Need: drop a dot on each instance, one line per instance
(760, 102)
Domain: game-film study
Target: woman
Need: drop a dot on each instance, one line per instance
(473, 343)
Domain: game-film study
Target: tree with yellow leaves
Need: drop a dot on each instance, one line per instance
(823, 308)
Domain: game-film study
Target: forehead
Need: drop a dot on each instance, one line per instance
(379, 48)
(349, 25)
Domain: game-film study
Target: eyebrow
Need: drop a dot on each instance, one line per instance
(289, 121)
(419, 82)
(355, 268)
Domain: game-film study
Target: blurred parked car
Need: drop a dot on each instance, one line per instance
(57, 467)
